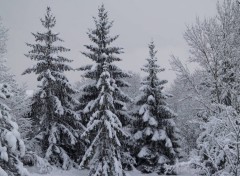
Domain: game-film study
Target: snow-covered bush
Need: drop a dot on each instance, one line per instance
(33, 160)
(218, 144)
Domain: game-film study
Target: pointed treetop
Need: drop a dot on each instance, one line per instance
(50, 20)
(102, 14)
(152, 67)
(152, 52)
(102, 23)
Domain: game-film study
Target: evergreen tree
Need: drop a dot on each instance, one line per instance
(104, 124)
(156, 135)
(57, 125)
(97, 53)
(11, 145)
(102, 40)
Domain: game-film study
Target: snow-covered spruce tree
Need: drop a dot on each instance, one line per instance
(57, 125)
(157, 137)
(104, 154)
(102, 49)
(11, 145)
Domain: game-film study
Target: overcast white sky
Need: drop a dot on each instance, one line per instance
(136, 21)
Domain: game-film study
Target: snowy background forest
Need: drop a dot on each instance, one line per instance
(178, 115)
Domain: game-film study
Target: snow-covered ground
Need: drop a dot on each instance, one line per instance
(75, 172)
(183, 171)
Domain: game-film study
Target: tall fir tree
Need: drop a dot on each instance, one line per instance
(11, 145)
(156, 135)
(56, 123)
(104, 151)
(97, 53)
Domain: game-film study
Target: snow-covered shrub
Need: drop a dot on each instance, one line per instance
(218, 144)
(33, 160)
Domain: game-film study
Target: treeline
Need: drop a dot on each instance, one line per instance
(89, 126)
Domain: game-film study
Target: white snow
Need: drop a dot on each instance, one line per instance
(144, 152)
(162, 135)
(151, 99)
(138, 135)
(162, 160)
(168, 143)
(58, 106)
(59, 172)
(109, 127)
(12, 141)
(146, 116)
(3, 154)
(148, 131)
(183, 170)
(152, 121)
(101, 100)
(155, 136)
(22, 170)
(49, 75)
(142, 109)
(2, 172)
(53, 55)
(29, 93)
